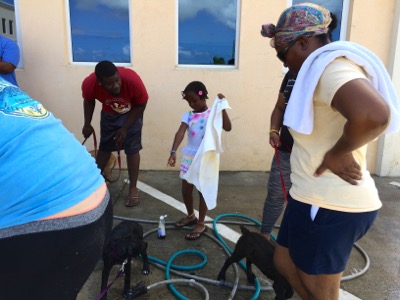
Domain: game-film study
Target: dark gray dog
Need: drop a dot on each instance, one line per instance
(126, 242)
(259, 251)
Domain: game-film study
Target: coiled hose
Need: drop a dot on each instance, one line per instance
(194, 280)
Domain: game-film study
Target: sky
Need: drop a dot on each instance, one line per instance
(8, 1)
(100, 30)
(207, 29)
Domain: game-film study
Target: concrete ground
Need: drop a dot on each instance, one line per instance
(370, 276)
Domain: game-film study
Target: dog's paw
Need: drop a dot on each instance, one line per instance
(251, 278)
(221, 279)
(145, 272)
(125, 293)
(289, 293)
(222, 282)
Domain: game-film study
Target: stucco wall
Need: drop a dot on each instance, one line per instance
(251, 89)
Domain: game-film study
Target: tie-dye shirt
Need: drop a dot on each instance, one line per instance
(196, 127)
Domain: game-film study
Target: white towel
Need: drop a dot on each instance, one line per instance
(299, 114)
(204, 170)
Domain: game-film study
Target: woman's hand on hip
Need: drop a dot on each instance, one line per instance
(342, 165)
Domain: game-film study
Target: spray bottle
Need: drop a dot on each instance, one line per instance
(161, 227)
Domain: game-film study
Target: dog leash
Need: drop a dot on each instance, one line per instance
(118, 158)
(119, 274)
(119, 167)
(94, 142)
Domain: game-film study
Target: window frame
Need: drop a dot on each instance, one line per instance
(345, 20)
(69, 40)
(210, 66)
(18, 34)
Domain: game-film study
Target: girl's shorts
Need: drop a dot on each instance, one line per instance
(322, 246)
(109, 125)
(185, 164)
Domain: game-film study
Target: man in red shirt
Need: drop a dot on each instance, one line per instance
(124, 98)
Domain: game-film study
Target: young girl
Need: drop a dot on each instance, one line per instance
(194, 122)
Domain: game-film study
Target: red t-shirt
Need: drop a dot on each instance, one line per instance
(133, 92)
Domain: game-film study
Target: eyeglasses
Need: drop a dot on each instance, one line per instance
(282, 54)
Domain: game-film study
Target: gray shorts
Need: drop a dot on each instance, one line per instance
(109, 125)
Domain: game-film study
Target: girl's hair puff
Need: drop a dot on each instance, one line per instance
(198, 87)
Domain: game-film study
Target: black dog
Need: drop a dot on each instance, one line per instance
(126, 242)
(258, 250)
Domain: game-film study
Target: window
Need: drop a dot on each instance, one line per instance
(207, 32)
(10, 24)
(340, 8)
(8, 17)
(99, 30)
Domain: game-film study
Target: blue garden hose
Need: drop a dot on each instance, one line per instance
(169, 265)
(182, 268)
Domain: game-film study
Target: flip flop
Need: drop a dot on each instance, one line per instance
(131, 201)
(194, 235)
(182, 222)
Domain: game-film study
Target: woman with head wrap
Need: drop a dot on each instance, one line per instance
(343, 98)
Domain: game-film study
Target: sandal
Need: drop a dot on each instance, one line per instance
(183, 222)
(194, 235)
(131, 201)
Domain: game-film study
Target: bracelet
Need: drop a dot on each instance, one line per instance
(172, 152)
(274, 130)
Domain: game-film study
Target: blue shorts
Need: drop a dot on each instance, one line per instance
(322, 246)
(109, 125)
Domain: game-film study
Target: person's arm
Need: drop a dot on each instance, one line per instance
(6, 67)
(88, 109)
(367, 116)
(9, 58)
(179, 135)
(276, 121)
(226, 122)
(133, 115)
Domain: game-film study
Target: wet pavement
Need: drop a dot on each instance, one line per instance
(373, 271)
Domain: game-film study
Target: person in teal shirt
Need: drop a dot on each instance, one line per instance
(55, 209)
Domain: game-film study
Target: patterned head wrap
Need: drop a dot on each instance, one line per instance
(301, 19)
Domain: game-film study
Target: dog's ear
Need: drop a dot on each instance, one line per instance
(244, 229)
